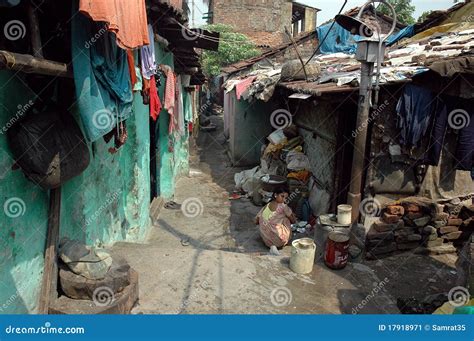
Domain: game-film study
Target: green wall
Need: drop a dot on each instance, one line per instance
(108, 203)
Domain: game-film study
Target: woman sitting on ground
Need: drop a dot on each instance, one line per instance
(275, 220)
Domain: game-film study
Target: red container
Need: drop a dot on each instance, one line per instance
(337, 250)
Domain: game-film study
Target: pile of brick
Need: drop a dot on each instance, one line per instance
(431, 229)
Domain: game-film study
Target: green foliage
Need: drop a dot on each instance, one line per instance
(233, 48)
(403, 8)
(423, 16)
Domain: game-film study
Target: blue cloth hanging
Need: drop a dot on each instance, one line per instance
(101, 75)
(407, 32)
(338, 39)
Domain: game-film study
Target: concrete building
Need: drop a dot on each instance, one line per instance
(265, 21)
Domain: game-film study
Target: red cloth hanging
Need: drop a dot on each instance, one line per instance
(155, 103)
(131, 67)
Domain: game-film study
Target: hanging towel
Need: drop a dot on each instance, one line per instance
(101, 76)
(148, 56)
(126, 18)
(180, 107)
(155, 103)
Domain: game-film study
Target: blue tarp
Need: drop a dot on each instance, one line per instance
(341, 40)
(102, 78)
(407, 32)
(338, 40)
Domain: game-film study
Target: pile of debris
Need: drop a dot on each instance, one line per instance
(426, 228)
(283, 162)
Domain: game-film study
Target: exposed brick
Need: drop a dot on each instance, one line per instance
(409, 207)
(395, 210)
(442, 216)
(414, 215)
(448, 229)
(381, 226)
(452, 235)
(408, 246)
(423, 221)
(390, 218)
(455, 222)
(434, 243)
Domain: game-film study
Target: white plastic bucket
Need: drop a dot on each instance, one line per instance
(302, 255)
(344, 214)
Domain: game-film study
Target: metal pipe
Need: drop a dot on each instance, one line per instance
(354, 197)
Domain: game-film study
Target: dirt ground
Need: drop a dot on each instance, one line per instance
(216, 263)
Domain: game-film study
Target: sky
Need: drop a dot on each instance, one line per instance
(329, 8)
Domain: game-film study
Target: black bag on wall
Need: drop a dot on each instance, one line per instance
(49, 146)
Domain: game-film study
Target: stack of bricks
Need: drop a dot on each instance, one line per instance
(412, 227)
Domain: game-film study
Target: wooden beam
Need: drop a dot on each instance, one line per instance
(50, 275)
(34, 30)
(29, 64)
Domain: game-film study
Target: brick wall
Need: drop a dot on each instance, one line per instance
(263, 20)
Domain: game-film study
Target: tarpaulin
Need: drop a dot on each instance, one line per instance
(407, 32)
(338, 39)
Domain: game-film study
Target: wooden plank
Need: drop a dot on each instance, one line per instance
(50, 275)
(34, 30)
(29, 64)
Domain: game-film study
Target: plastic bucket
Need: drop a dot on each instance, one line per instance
(302, 255)
(344, 214)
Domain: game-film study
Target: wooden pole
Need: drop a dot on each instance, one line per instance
(50, 276)
(49, 287)
(35, 30)
(29, 64)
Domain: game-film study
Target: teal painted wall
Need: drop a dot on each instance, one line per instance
(173, 162)
(109, 202)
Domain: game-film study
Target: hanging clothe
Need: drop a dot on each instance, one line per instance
(453, 113)
(180, 107)
(148, 59)
(125, 18)
(131, 68)
(243, 85)
(101, 77)
(415, 110)
(155, 103)
(170, 97)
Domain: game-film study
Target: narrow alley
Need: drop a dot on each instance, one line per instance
(208, 258)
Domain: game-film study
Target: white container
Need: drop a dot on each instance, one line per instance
(302, 255)
(344, 214)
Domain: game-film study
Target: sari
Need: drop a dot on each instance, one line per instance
(275, 226)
